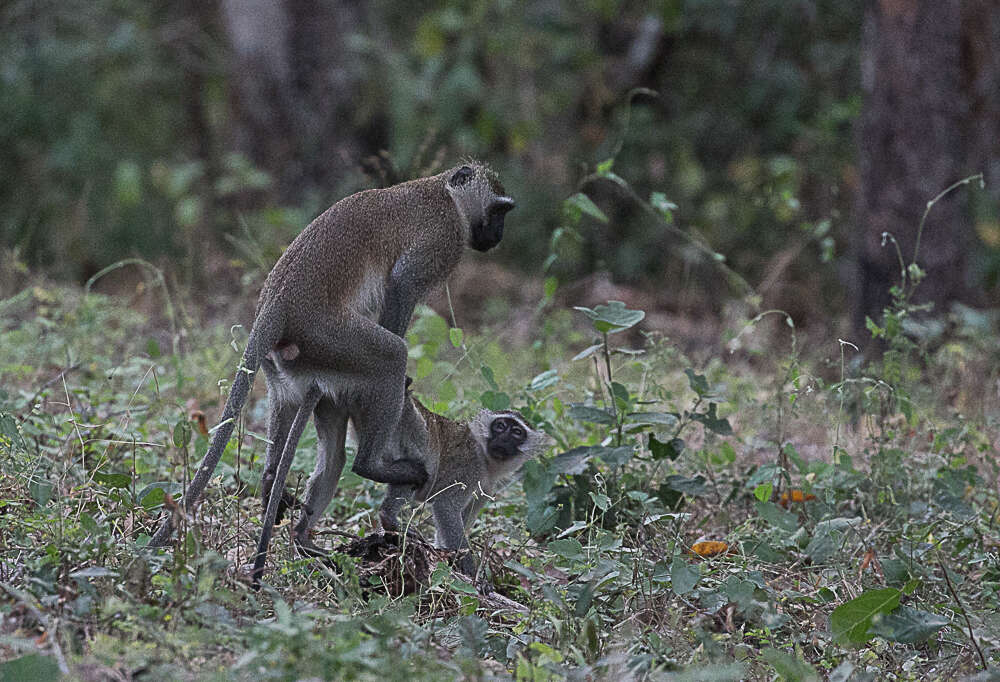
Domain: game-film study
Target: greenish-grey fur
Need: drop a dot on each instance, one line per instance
(462, 475)
(338, 301)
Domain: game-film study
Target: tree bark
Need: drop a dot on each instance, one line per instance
(914, 136)
(294, 80)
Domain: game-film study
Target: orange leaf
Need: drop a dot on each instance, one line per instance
(198, 417)
(709, 548)
(794, 495)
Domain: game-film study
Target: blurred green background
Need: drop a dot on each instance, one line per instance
(186, 131)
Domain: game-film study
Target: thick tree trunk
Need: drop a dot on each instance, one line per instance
(914, 137)
(293, 88)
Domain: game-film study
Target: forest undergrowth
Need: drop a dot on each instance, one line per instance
(776, 509)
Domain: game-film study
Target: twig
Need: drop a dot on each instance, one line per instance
(968, 623)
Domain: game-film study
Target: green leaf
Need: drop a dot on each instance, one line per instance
(567, 548)
(713, 422)
(665, 419)
(683, 576)
(851, 622)
(613, 317)
(487, 372)
(182, 433)
(788, 666)
(587, 352)
(495, 400)
(154, 498)
(584, 204)
(40, 491)
(697, 382)
(777, 517)
(602, 502)
(619, 391)
(605, 166)
(907, 625)
(455, 334)
(615, 457)
(544, 380)
(113, 480)
(763, 491)
(664, 206)
(671, 450)
(588, 413)
(549, 287)
(690, 486)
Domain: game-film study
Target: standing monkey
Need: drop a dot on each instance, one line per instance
(467, 463)
(338, 302)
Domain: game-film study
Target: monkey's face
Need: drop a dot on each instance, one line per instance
(507, 436)
(482, 201)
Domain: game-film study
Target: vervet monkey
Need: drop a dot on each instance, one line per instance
(332, 314)
(467, 463)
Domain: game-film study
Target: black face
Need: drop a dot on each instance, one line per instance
(507, 435)
(488, 233)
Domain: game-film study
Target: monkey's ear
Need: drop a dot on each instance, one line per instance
(461, 176)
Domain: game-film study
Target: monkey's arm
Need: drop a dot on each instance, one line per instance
(407, 284)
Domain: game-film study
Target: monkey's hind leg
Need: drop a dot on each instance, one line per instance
(294, 433)
(371, 362)
(279, 423)
(331, 430)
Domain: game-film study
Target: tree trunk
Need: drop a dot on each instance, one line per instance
(914, 136)
(294, 80)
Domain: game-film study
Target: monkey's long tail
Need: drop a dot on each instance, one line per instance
(260, 343)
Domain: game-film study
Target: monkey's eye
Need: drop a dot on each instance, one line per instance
(518, 432)
(461, 176)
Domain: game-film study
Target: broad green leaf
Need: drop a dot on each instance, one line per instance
(788, 666)
(763, 491)
(683, 576)
(182, 433)
(572, 462)
(671, 450)
(495, 400)
(776, 516)
(113, 480)
(487, 372)
(851, 622)
(653, 418)
(691, 486)
(455, 335)
(588, 413)
(907, 625)
(615, 457)
(153, 498)
(697, 382)
(587, 352)
(613, 317)
(567, 548)
(544, 380)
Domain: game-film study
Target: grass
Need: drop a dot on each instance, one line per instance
(858, 505)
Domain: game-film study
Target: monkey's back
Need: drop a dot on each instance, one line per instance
(459, 456)
(343, 258)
